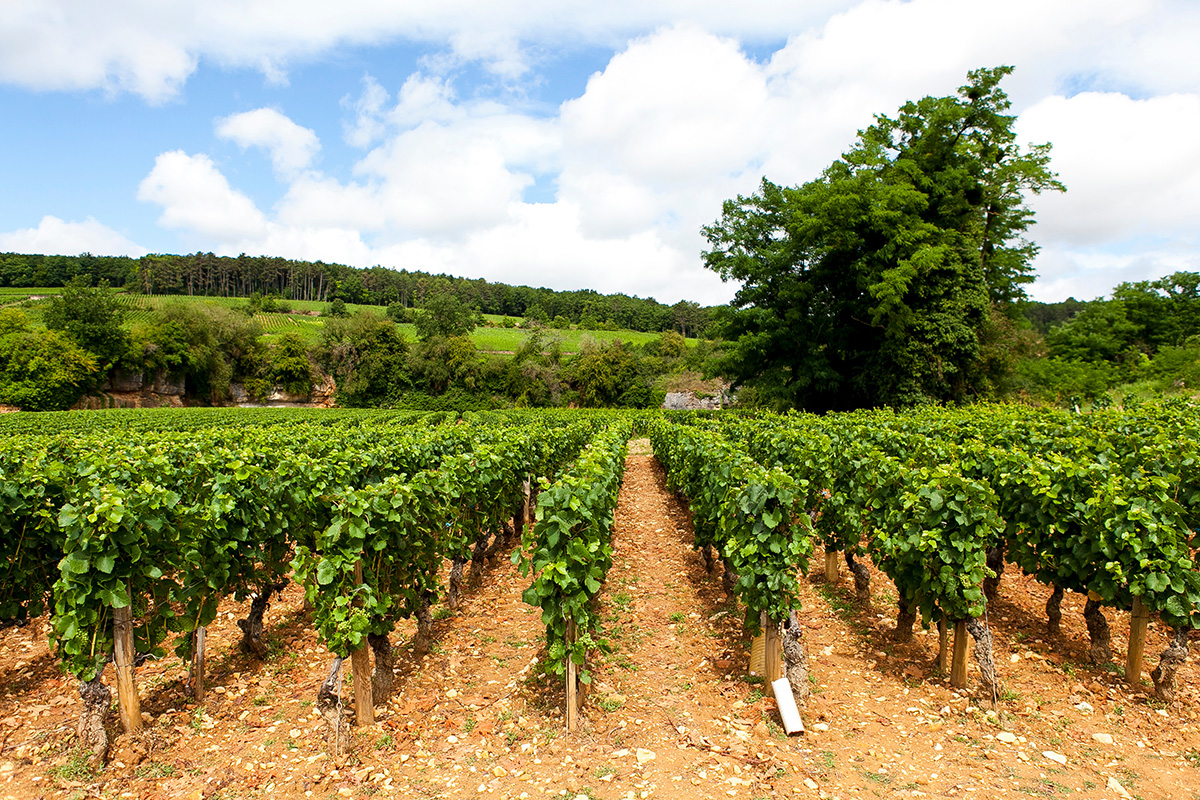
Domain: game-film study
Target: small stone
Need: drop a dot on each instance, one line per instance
(499, 772)
(1007, 737)
(810, 783)
(1114, 785)
(644, 755)
(821, 726)
(452, 739)
(1057, 758)
(1085, 707)
(1103, 738)
(294, 733)
(345, 791)
(452, 693)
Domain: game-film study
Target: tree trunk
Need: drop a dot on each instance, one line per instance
(905, 618)
(729, 578)
(989, 687)
(995, 562)
(1054, 612)
(795, 659)
(329, 705)
(424, 636)
(252, 626)
(862, 579)
(1097, 625)
(456, 581)
(93, 738)
(706, 555)
(1168, 664)
(383, 677)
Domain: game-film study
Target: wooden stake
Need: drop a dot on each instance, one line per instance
(1139, 618)
(197, 665)
(529, 515)
(572, 681)
(943, 647)
(772, 652)
(831, 566)
(360, 663)
(958, 669)
(123, 655)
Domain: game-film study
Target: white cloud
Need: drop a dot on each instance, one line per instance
(367, 127)
(1086, 274)
(54, 236)
(1131, 167)
(195, 196)
(292, 148)
(681, 119)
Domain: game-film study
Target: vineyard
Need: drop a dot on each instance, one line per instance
(130, 533)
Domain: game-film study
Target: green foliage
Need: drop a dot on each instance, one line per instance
(368, 358)
(40, 370)
(569, 550)
(609, 375)
(89, 316)
(445, 316)
(871, 285)
(336, 309)
(205, 345)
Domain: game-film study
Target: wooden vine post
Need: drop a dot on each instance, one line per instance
(772, 652)
(958, 668)
(197, 665)
(1138, 620)
(360, 661)
(831, 566)
(574, 696)
(943, 647)
(123, 656)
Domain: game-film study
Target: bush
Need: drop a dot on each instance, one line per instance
(40, 370)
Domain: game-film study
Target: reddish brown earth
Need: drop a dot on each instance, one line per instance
(669, 715)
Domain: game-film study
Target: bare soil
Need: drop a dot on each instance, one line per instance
(670, 713)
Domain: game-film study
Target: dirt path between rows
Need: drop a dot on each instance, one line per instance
(669, 714)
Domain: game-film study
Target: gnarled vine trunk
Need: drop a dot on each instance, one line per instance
(1169, 663)
(252, 626)
(706, 555)
(329, 706)
(905, 619)
(382, 678)
(93, 738)
(862, 579)
(1097, 625)
(478, 555)
(795, 659)
(989, 687)
(1054, 612)
(423, 638)
(456, 581)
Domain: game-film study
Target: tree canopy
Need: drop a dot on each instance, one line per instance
(873, 284)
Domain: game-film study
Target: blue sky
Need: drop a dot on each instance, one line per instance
(559, 144)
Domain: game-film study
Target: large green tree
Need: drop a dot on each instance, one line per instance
(875, 283)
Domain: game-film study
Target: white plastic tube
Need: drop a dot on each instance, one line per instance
(787, 706)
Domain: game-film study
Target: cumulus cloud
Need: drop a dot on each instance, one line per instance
(681, 118)
(54, 236)
(292, 148)
(367, 126)
(1131, 167)
(195, 196)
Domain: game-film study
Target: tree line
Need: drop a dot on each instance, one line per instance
(205, 274)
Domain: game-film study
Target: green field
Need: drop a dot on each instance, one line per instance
(303, 322)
